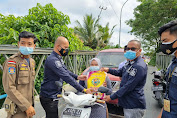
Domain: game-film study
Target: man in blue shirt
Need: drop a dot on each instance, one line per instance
(56, 71)
(131, 93)
(168, 40)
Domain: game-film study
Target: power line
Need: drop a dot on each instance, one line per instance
(113, 9)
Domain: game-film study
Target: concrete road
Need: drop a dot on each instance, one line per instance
(152, 105)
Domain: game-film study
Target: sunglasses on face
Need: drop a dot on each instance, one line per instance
(133, 49)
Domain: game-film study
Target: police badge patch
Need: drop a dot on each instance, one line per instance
(58, 64)
(133, 71)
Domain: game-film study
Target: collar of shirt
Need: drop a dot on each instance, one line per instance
(132, 62)
(57, 55)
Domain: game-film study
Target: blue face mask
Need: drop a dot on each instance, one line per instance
(26, 50)
(94, 68)
(130, 55)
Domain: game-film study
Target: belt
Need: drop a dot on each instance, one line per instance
(46, 97)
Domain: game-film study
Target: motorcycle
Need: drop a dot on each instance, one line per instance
(159, 86)
(72, 105)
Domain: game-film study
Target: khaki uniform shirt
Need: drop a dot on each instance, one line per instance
(18, 80)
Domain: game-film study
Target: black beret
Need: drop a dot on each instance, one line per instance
(167, 26)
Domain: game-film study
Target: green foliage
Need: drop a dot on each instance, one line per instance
(92, 33)
(149, 16)
(47, 24)
(111, 46)
(152, 61)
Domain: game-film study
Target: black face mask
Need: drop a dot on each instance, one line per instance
(168, 48)
(64, 52)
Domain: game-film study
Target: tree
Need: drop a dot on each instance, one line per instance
(92, 33)
(103, 39)
(149, 16)
(88, 31)
(45, 22)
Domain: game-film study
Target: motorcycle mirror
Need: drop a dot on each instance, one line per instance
(59, 84)
(104, 90)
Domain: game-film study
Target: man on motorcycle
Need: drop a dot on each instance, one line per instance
(168, 40)
(56, 71)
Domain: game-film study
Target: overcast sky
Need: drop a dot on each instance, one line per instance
(76, 9)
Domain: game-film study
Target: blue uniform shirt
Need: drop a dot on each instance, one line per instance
(172, 91)
(55, 70)
(131, 92)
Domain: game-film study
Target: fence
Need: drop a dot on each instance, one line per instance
(76, 61)
(162, 60)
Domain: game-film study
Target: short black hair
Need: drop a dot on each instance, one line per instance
(138, 42)
(125, 47)
(170, 26)
(26, 34)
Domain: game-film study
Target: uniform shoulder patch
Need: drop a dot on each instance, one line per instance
(58, 64)
(11, 64)
(133, 71)
(11, 70)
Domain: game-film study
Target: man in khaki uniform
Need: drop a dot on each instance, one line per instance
(19, 75)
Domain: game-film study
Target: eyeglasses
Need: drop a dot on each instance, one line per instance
(133, 49)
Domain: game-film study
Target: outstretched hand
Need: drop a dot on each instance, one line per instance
(107, 98)
(104, 69)
(82, 77)
(88, 91)
(93, 89)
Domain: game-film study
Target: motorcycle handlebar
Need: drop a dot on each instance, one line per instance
(59, 96)
(97, 100)
(100, 101)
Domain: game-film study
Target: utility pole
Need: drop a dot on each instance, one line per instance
(102, 8)
(120, 20)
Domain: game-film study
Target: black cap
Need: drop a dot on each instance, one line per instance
(167, 26)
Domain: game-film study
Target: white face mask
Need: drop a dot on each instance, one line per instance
(94, 68)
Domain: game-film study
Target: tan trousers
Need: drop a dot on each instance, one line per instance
(18, 115)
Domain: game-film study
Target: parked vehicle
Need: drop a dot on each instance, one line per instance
(73, 105)
(159, 86)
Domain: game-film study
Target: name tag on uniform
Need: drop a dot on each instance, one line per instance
(166, 105)
(23, 66)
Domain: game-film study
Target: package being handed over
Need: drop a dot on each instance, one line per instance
(96, 79)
